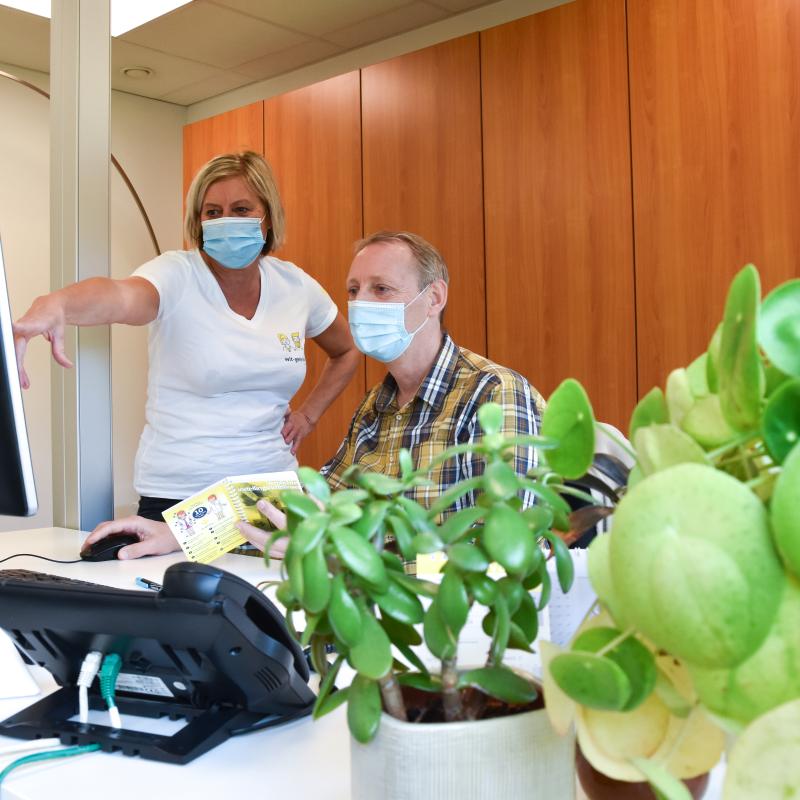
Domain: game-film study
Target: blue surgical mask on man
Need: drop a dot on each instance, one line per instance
(234, 242)
(379, 329)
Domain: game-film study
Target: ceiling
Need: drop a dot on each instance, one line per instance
(209, 47)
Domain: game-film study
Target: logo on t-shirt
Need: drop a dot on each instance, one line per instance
(292, 343)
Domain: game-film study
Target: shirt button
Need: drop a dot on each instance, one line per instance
(398, 416)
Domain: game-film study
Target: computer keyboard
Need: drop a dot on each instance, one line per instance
(29, 576)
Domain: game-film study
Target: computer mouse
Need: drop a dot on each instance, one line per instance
(106, 549)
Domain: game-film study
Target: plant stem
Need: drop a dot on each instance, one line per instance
(451, 699)
(614, 642)
(737, 442)
(392, 696)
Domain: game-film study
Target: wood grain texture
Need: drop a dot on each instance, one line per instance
(559, 244)
(715, 124)
(231, 132)
(422, 168)
(313, 142)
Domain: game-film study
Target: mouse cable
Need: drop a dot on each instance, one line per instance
(45, 558)
(47, 754)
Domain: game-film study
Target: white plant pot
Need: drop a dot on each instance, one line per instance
(509, 758)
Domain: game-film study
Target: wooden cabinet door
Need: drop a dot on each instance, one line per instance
(313, 142)
(231, 132)
(559, 257)
(716, 163)
(422, 169)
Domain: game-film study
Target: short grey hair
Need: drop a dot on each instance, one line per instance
(257, 173)
(430, 264)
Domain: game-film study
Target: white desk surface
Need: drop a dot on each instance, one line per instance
(301, 760)
(304, 759)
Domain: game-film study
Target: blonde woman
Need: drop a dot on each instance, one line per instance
(220, 315)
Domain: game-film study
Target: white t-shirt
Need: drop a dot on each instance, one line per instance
(219, 384)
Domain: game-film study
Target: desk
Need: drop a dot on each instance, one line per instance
(303, 759)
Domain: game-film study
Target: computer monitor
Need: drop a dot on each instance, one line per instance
(17, 489)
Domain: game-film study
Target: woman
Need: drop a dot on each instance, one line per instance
(226, 342)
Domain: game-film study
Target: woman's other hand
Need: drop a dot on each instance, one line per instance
(155, 538)
(296, 426)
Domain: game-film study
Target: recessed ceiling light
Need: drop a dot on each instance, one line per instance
(137, 73)
(125, 15)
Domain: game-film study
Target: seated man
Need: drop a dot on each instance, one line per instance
(429, 399)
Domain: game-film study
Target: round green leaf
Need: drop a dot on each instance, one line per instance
(315, 484)
(490, 417)
(781, 423)
(372, 655)
(344, 614)
(635, 660)
(512, 592)
(706, 423)
(659, 447)
(785, 512)
(400, 604)
(539, 518)
(693, 564)
(697, 373)
(508, 540)
(568, 419)
(359, 556)
(591, 680)
(467, 557)
(650, 410)
(679, 395)
(741, 376)
(363, 709)
(372, 517)
(316, 582)
(499, 682)
(779, 327)
(527, 618)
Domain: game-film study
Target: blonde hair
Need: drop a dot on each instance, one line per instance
(258, 175)
(430, 264)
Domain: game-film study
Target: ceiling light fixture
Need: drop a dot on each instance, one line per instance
(125, 15)
(137, 73)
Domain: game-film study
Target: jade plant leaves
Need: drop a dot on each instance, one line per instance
(507, 539)
(741, 376)
(400, 604)
(568, 419)
(781, 425)
(372, 655)
(499, 682)
(316, 583)
(343, 613)
(438, 637)
(363, 709)
(315, 484)
(784, 514)
(359, 556)
(467, 557)
(453, 601)
(490, 417)
(779, 327)
(693, 563)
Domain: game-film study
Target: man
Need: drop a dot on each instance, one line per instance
(428, 401)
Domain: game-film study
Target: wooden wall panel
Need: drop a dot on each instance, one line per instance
(715, 123)
(231, 132)
(313, 141)
(422, 168)
(559, 250)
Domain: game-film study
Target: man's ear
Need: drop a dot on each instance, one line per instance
(437, 292)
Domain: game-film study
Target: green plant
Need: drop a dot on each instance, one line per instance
(699, 632)
(357, 598)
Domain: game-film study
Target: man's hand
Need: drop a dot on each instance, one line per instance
(44, 318)
(155, 538)
(260, 538)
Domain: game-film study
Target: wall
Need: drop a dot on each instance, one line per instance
(146, 139)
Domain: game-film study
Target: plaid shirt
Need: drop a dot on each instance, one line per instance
(444, 412)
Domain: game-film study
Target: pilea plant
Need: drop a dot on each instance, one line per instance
(699, 632)
(344, 569)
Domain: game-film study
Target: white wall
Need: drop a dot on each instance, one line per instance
(146, 139)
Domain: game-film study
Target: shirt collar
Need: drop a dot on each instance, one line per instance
(435, 386)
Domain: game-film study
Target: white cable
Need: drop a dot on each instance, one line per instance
(113, 714)
(89, 669)
(34, 744)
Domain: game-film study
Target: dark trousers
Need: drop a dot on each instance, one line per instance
(152, 507)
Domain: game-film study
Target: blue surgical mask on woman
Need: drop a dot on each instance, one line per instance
(234, 242)
(379, 329)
